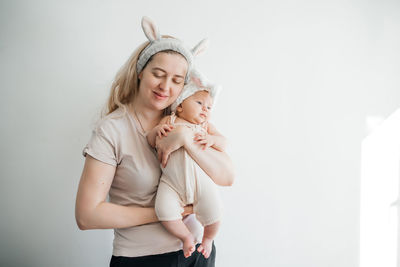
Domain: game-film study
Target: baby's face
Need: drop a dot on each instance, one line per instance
(196, 108)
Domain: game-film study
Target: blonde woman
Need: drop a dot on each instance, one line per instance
(122, 165)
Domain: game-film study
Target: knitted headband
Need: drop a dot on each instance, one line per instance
(158, 44)
(197, 83)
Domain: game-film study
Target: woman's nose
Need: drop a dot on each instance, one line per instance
(164, 84)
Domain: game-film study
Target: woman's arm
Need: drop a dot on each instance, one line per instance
(91, 209)
(216, 164)
(213, 139)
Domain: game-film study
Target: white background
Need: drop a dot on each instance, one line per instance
(299, 78)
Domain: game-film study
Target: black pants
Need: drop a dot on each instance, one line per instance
(171, 259)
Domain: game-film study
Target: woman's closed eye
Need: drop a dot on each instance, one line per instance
(178, 80)
(157, 75)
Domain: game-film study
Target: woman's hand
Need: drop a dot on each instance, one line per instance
(187, 210)
(168, 144)
(205, 140)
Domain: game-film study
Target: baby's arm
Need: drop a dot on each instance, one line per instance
(160, 130)
(212, 139)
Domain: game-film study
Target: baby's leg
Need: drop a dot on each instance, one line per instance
(208, 209)
(179, 229)
(210, 231)
(169, 209)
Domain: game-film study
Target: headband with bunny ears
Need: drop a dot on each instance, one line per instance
(158, 44)
(197, 82)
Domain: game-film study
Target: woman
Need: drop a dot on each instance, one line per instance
(120, 163)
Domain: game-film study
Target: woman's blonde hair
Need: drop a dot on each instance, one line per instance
(125, 86)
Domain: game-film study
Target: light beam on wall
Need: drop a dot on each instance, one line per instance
(379, 213)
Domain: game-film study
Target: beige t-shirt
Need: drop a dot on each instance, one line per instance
(119, 141)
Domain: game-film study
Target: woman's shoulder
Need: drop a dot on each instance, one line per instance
(115, 121)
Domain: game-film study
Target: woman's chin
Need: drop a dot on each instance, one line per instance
(160, 105)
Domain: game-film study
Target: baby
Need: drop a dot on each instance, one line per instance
(183, 182)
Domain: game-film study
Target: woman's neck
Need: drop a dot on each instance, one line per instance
(148, 118)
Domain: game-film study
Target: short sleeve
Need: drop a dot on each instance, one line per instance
(101, 148)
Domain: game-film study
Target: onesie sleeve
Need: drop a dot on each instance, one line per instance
(101, 147)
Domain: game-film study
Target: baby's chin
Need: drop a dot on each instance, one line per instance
(196, 121)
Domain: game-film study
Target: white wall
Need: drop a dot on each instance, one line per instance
(299, 79)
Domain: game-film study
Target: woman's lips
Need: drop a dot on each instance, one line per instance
(160, 96)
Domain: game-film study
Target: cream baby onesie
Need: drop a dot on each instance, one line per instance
(182, 183)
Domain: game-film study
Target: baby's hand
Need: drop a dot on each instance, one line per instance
(205, 140)
(163, 129)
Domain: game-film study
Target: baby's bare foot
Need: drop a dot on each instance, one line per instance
(188, 246)
(205, 247)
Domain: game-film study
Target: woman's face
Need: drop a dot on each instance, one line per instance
(162, 80)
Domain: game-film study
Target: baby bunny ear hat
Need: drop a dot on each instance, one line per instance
(197, 83)
(158, 44)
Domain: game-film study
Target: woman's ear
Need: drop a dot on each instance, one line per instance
(140, 75)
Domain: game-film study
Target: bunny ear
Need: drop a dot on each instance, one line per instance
(196, 81)
(200, 47)
(150, 29)
(197, 78)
